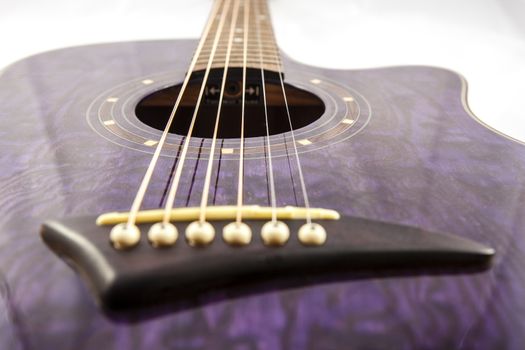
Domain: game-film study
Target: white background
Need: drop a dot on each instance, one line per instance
(482, 39)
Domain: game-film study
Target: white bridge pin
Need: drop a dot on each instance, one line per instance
(200, 233)
(275, 233)
(312, 234)
(124, 236)
(162, 234)
(237, 233)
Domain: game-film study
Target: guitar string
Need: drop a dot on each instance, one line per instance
(175, 184)
(139, 197)
(296, 153)
(246, 19)
(194, 172)
(207, 179)
(258, 18)
(217, 178)
(170, 177)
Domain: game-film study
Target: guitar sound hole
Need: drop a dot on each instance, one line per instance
(305, 108)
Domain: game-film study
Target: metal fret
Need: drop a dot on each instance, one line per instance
(271, 56)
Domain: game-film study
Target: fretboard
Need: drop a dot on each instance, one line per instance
(261, 40)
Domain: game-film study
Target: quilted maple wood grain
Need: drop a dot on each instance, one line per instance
(421, 161)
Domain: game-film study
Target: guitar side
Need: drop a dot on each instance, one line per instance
(420, 160)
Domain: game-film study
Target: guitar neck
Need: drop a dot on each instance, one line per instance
(252, 24)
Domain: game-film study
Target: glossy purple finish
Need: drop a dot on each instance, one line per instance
(422, 160)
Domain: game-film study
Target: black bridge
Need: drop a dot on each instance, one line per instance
(146, 276)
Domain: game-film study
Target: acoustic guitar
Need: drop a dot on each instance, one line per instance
(215, 194)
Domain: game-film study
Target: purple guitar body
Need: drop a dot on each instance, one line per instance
(412, 154)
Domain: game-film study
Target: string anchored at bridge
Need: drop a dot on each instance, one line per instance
(228, 17)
